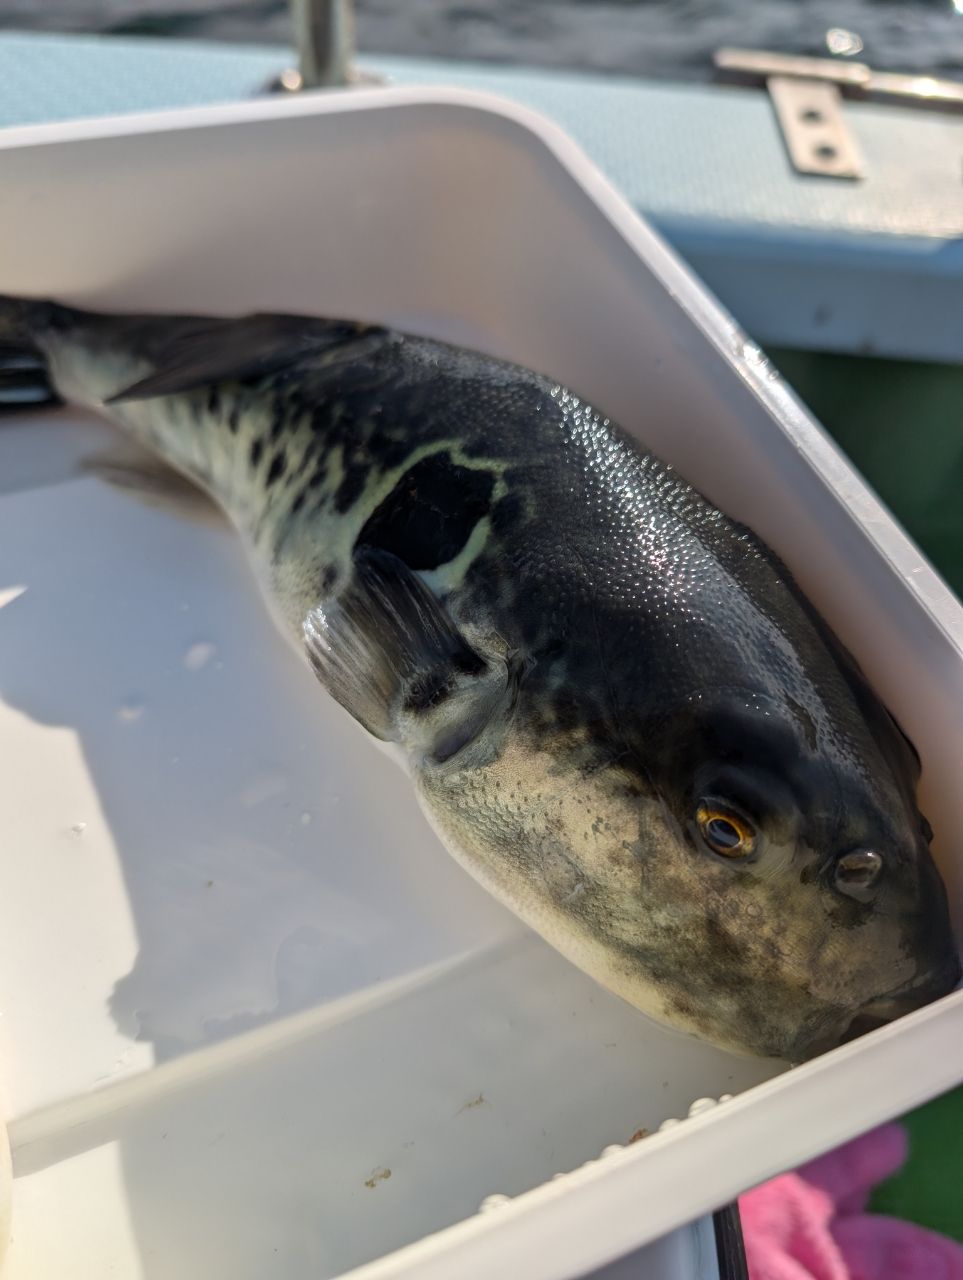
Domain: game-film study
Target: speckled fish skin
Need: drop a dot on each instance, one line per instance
(572, 650)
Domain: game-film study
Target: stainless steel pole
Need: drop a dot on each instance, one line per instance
(324, 34)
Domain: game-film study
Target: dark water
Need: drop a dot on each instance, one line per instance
(664, 38)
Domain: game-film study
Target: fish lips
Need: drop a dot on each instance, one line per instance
(933, 985)
(915, 995)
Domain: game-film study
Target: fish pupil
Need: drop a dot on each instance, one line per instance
(723, 834)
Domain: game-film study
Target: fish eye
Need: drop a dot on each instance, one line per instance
(856, 873)
(726, 833)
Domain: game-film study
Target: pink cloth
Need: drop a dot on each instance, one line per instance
(813, 1224)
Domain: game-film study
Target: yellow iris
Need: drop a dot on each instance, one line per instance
(725, 832)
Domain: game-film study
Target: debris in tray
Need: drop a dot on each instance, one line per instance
(379, 1175)
(480, 1101)
(497, 1199)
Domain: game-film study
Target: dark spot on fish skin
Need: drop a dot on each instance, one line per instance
(722, 943)
(430, 513)
(682, 1005)
(276, 469)
(329, 578)
(278, 420)
(257, 449)
(350, 488)
(322, 419)
(214, 401)
(310, 453)
(389, 451)
(234, 418)
(297, 504)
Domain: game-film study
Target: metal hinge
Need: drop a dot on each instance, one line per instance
(814, 129)
(807, 95)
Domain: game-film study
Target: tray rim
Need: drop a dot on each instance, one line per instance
(587, 1218)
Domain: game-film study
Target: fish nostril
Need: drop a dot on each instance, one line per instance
(857, 873)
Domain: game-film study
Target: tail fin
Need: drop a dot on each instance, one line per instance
(23, 379)
(22, 318)
(23, 368)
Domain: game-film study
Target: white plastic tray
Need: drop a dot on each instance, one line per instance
(240, 979)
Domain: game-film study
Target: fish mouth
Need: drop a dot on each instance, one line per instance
(915, 995)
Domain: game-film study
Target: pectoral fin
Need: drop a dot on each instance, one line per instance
(389, 652)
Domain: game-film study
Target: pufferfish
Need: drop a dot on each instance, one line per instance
(617, 709)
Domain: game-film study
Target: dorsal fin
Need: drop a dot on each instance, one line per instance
(236, 350)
